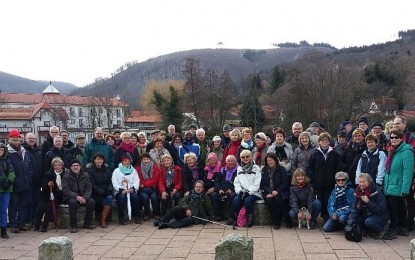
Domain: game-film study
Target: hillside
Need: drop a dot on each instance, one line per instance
(130, 82)
(14, 84)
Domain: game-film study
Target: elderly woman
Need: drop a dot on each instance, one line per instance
(125, 180)
(170, 185)
(126, 147)
(282, 149)
(232, 148)
(141, 143)
(191, 172)
(224, 190)
(353, 152)
(372, 161)
(302, 154)
(260, 150)
(388, 128)
(51, 180)
(369, 208)
(397, 183)
(275, 190)
(7, 177)
(158, 151)
(340, 203)
(302, 195)
(212, 168)
(247, 183)
(216, 148)
(102, 190)
(149, 177)
(247, 142)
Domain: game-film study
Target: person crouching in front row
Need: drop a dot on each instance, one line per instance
(194, 208)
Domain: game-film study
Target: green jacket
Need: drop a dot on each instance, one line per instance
(99, 146)
(6, 171)
(398, 180)
(200, 207)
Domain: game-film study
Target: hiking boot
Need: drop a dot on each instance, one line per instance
(24, 227)
(74, 230)
(403, 231)
(163, 225)
(312, 225)
(88, 226)
(230, 221)
(250, 220)
(378, 235)
(289, 225)
(390, 234)
(156, 222)
(138, 221)
(146, 217)
(4, 232)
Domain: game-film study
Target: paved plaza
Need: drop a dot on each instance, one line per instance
(198, 242)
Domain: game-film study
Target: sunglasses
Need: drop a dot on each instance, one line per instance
(395, 137)
(243, 157)
(340, 180)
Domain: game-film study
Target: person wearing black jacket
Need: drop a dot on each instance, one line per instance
(52, 178)
(191, 172)
(102, 189)
(353, 153)
(35, 156)
(48, 143)
(324, 164)
(57, 151)
(224, 192)
(275, 190)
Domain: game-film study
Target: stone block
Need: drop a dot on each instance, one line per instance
(262, 216)
(63, 216)
(235, 247)
(56, 248)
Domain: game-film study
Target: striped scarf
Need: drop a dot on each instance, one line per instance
(341, 199)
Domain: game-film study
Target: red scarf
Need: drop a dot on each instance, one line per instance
(127, 147)
(362, 192)
(259, 155)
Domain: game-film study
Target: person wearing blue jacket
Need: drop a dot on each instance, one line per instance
(188, 146)
(340, 203)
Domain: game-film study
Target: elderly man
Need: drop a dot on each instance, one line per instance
(204, 144)
(171, 131)
(226, 138)
(57, 151)
(296, 130)
(76, 152)
(98, 144)
(21, 197)
(33, 151)
(77, 190)
(117, 136)
(48, 143)
(196, 204)
(67, 143)
(348, 127)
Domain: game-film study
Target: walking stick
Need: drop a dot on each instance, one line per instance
(214, 222)
(53, 207)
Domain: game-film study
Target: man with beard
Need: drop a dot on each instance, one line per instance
(187, 146)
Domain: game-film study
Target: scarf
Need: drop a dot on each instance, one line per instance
(341, 198)
(59, 179)
(127, 147)
(301, 185)
(147, 171)
(391, 153)
(247, 145)
(195, 172)
(196, 199)
(169, 176)
(362, 192)
(258, 157)
(211, 170)
(229, 172)
(125, 170)
(270, 174)
(247, 168)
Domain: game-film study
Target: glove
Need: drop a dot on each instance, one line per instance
(5, 185)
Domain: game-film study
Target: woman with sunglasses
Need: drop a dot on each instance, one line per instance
(397, 183)
(340, 203)
(247, 183)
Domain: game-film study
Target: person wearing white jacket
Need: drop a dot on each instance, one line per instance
(247, 182)
(125, 181)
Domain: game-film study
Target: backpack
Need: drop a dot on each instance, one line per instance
(242, 219)
(353, 232)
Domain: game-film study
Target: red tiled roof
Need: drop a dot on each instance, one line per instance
(22, 98)
(16, 113)
(137, 116)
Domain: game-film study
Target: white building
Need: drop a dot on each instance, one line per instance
(37, 112)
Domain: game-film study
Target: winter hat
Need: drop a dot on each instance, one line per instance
(14, 133)
(126, 156)
(315, 124)
(363, 120)
(344, 124)
(116, 131)
(216, 138)
(261, 136)
(227, 128)
(213, 156)
(192, 126)
(377, 123)
(75, 161)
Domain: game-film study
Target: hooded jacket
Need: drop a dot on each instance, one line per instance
(22, 168)
(6, 171)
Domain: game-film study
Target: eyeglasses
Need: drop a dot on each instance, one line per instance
(340, 180)
(243, 157)
(395, 137)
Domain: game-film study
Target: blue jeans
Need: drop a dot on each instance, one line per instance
(147, 194)
(248, 203)
(4, 204)
(122, 204)
(315, 211)
(333, 225)
(19, 208)
(107, 201)
(375, 223)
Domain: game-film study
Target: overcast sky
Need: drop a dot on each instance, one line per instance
(77, 41)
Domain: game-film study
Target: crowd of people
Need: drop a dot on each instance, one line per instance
(363, 175)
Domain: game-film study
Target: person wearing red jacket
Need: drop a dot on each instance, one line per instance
(232, 148)
(170, 184)
(148, 172)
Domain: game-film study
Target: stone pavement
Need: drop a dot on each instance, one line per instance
(198, 242)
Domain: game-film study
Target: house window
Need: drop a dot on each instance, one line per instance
(92, 111)
(118, 112)
(118, 123)
(100, 110)
(99, 121)
(71, 111)
(46, 123)
(80, 112)
(81, 123)
(72, 121)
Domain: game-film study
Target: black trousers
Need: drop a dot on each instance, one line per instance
(73, 210)
(277, 208)
(323, 194)
(180, 218)
(397, 212)
(221, 208)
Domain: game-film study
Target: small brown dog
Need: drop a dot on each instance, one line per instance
(304, 219)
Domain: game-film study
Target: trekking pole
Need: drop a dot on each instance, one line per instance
(214, 222)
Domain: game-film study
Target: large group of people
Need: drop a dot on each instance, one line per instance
(364, 175)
